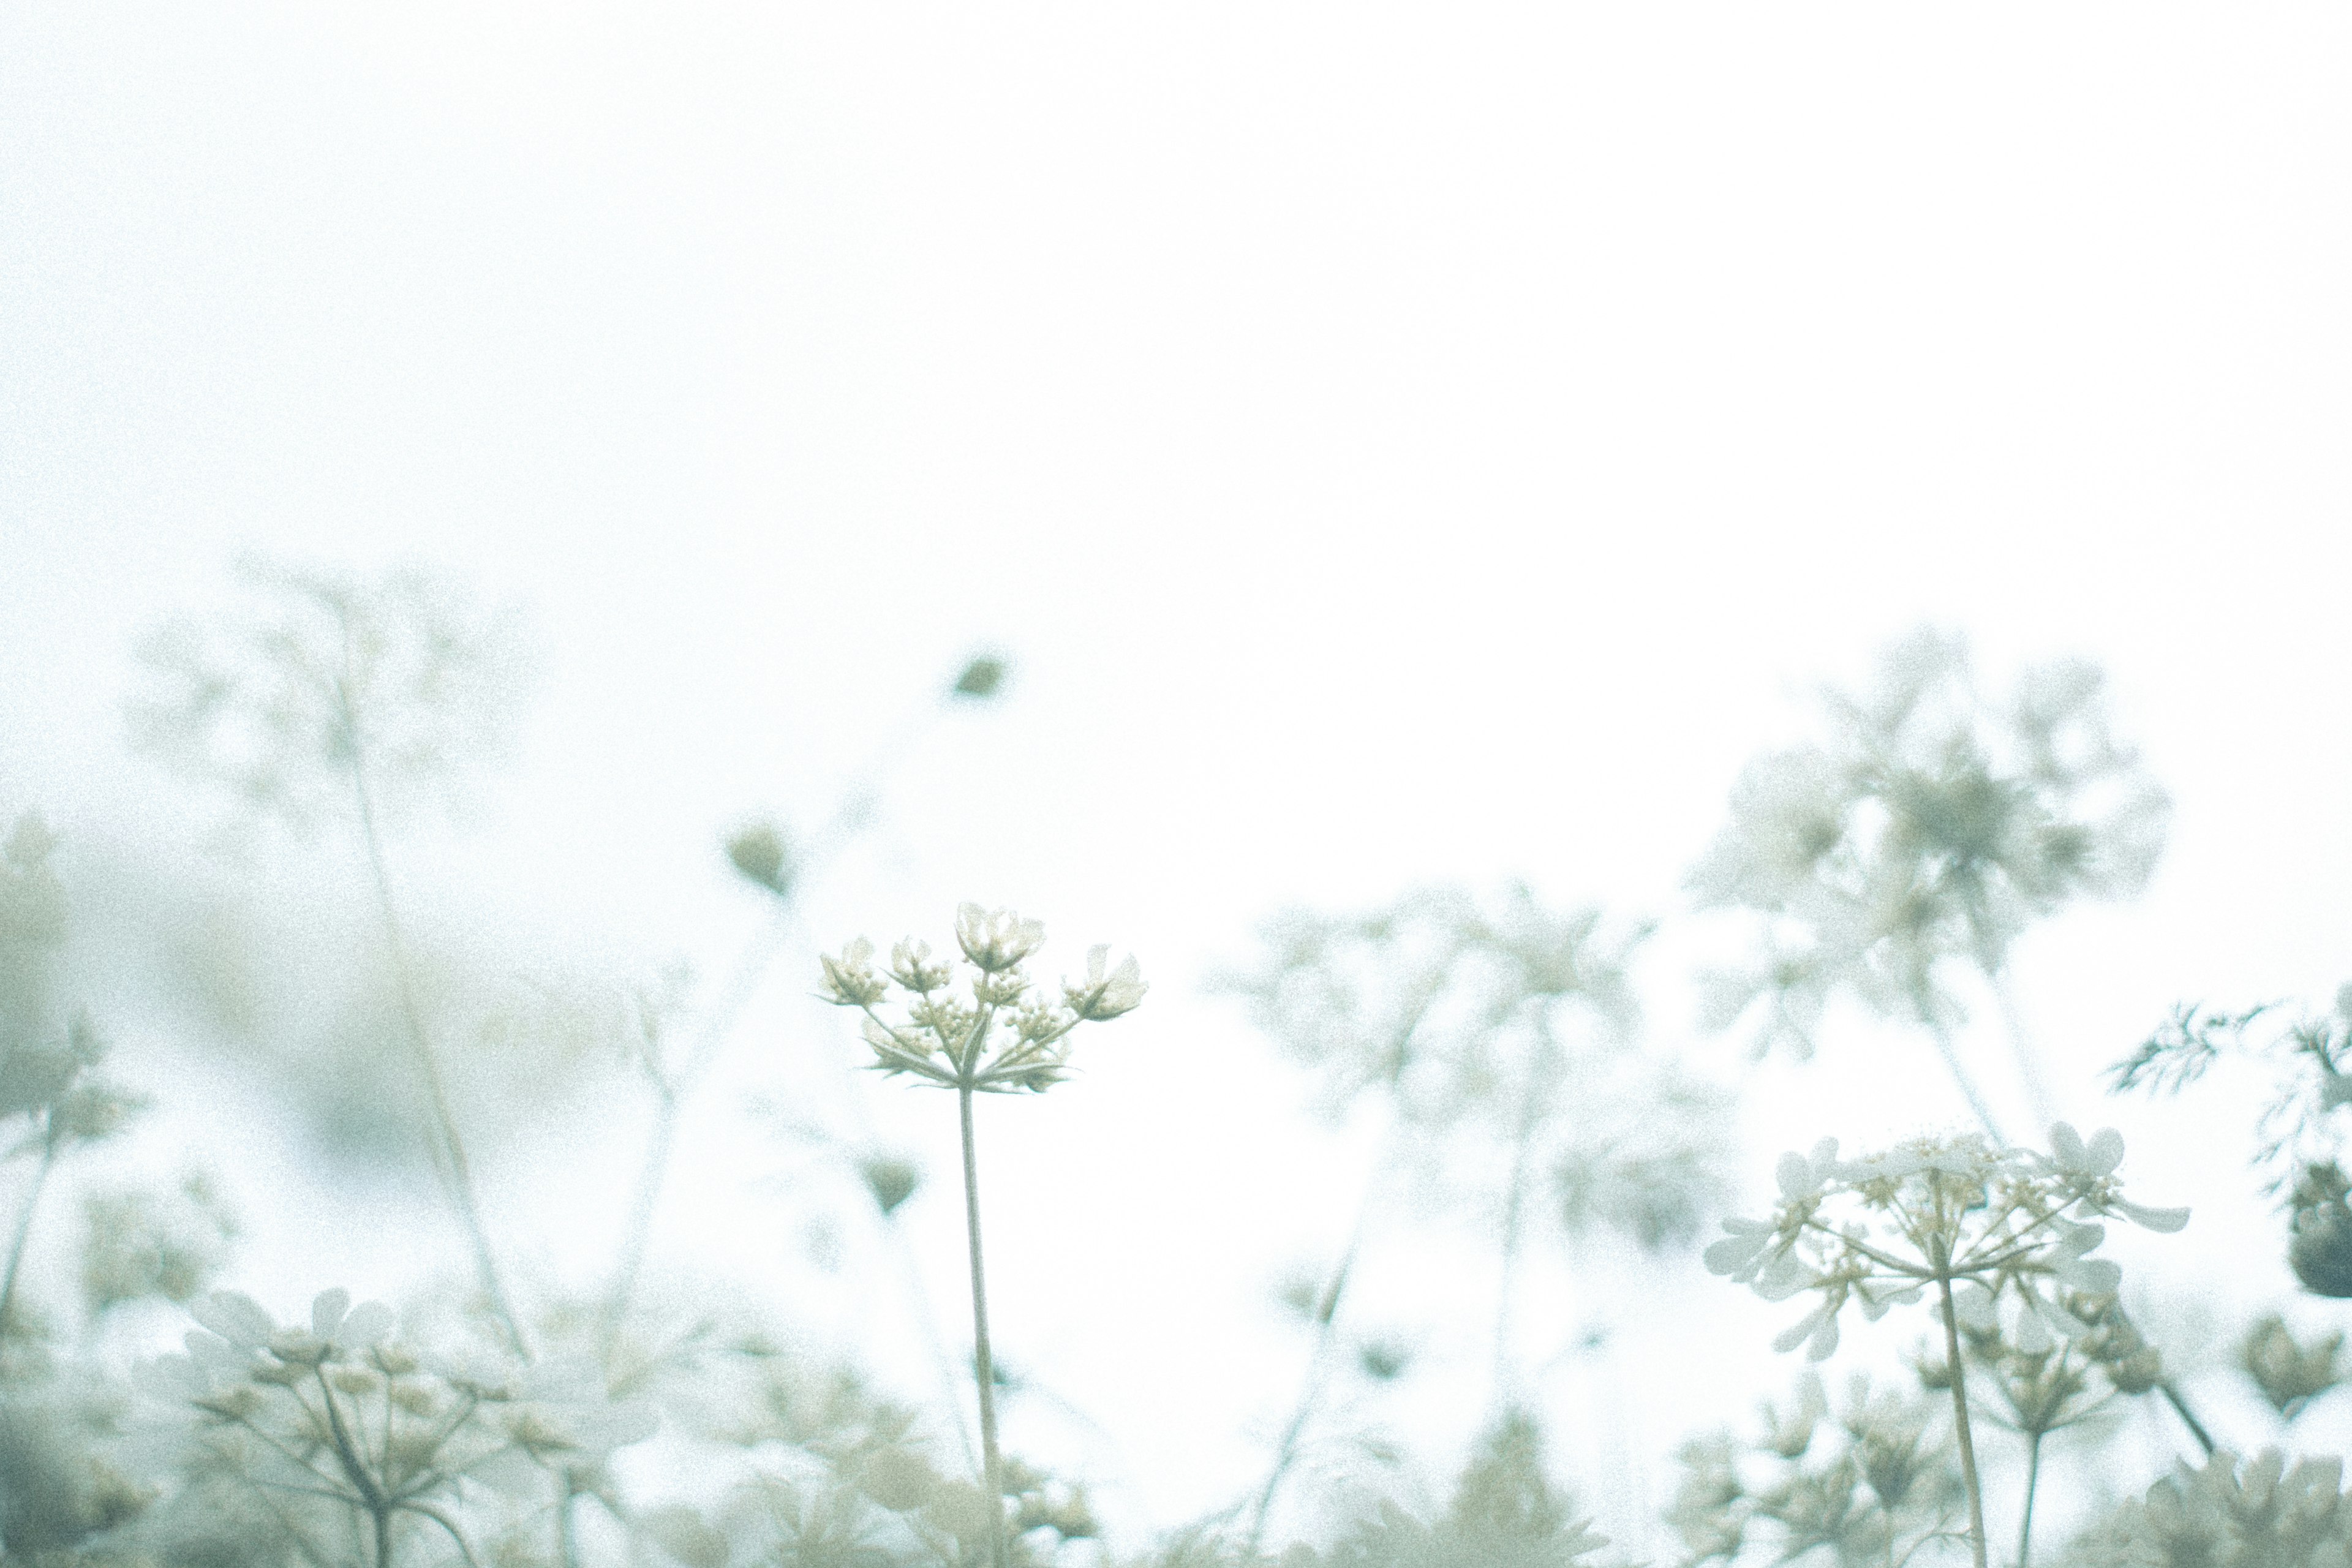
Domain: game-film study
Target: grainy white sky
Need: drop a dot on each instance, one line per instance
(1394, 443)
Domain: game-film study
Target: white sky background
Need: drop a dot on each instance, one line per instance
(1392, 445)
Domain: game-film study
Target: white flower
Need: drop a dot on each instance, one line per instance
(996, 939)
(1103, 995)
(850, 980)
(2088, 1170)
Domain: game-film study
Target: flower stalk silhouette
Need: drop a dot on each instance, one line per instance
(1007, 1038)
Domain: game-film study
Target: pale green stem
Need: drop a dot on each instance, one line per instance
(453, 1147)
(2021, 1043)
(1000, 1545)
(2020, 1040)
(1961, 1412)
(1505, 1384)
(25, 1220)
(1942, 1035)
(2033, 1478)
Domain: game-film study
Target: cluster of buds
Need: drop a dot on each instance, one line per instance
(2001, 1224)
(1001, 1036)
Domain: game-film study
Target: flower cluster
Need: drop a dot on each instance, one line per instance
(2005, 1225)
(406, 678)
(337, 1415)
(1929, 825)
(1869, 1485)
(1500, 1017)
(998, 1037)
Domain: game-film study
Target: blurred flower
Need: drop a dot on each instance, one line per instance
(2289, 1374)
(143, 1246)
(403, 681)
(1929, 827)
(981, 680)
(338, 1422)
(1499, 1017)
(758, 852)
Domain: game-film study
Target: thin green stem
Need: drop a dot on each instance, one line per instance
(1001, 1547)
(1938, 1031)
(25, 1220)
(452, 1147)
(2033, 1478)
(1960, 1415)
(2020, 1044)
(383, 1517)
(1531, 1112)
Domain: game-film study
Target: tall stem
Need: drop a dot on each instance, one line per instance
(2020, 1044)
(2032, 1477)
(383, 1517)
(1326, 1317)
(2018, 1038)
(1532, 1111)
(452, 1149)
(25, 1220)
(1940, 1032)
(1961, 1412)
(1000, 1546)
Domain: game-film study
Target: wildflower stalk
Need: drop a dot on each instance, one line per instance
(1326, 1315)
(1327, 1308)
(945, 1043)
(2020, 1044)
(458, 1170)
(999, 1545)
(1941, 1033)
(25, 1220)
(1942, 1260)
(2033, 1479)
(1533, 1106)
(849, 814)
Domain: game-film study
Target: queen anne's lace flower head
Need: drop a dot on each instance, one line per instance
(1003, 1036)
(1999, 1225)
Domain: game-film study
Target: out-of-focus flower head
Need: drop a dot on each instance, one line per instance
(1498, 1016)
(339, 1422)
(405, 677)
(1926, 825)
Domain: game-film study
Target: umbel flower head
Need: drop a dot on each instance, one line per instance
(2011, 1228)
(1928, 824)
(334, 1416)
(1500, 1017)
(405, 676)
(999, 1034)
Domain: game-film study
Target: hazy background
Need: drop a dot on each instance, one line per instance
(1391, 444)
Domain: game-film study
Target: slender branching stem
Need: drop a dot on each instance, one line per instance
(383, 1517)
(2033, 1478)
(2021, 1043)
(983, 1364)
(25, 1220)
(1960, 1410)
(1941, 1033)
(1532, 1106)
(458, 1169)
(2020, 1040)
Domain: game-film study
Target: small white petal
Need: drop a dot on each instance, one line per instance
(236, 1318)
(368, 1322)
(327, 1312)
